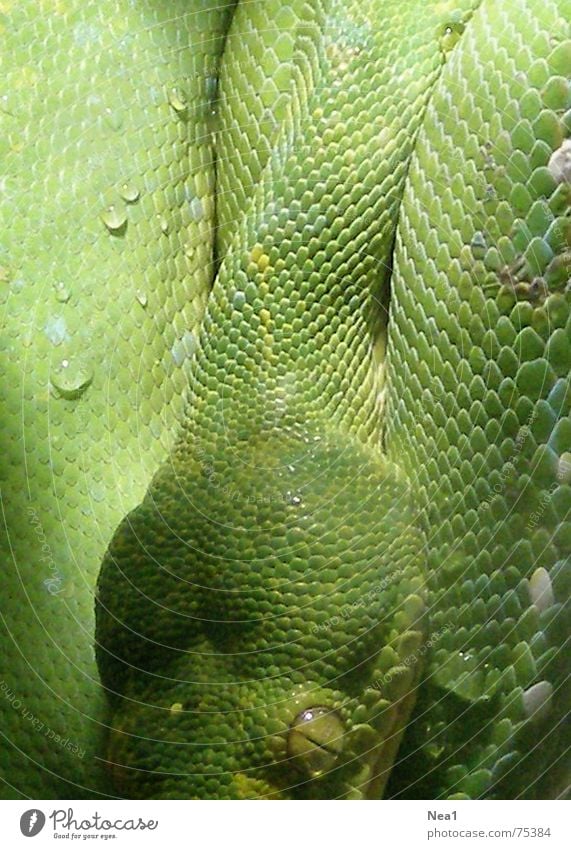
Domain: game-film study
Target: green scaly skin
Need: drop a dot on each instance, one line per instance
(367, 502)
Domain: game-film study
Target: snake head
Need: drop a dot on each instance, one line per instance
(260, 621)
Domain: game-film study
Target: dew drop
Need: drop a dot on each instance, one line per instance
(129, 192)
(293, 499)
(541, 589)
(537, 700)
(142, 298)
(184, 348)
(56, 330)
(238, 300)
(478, 245)
(196, 209)
(451, 35)
(560, 163)
(163, 223)
(97, 492)
(71, 378)
(155, 428)
(564, 468)
(211, 87)
(5, 105)
(62, 292)
(188, 249)
(178, 99)
(114, 218)
(490, 198)
(114, 119)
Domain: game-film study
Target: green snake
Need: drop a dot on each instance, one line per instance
(286, 352)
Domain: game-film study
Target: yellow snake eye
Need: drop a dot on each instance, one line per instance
(315, 740)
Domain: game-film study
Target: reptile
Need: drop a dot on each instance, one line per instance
(286, 352)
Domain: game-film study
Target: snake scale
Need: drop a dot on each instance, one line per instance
(286, 354)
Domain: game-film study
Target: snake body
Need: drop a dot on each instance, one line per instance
(347, 576)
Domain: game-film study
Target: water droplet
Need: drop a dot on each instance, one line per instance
(129, 192)
(541, 589)
(293, 499)
(211, 87)
(564, 468)
(478, 245)
(6, 105)
(56, 330)
(537, 700)
(560, 163)
(71, 378)
(451, 35)
(238, 300)
(490, 198)
(163, 223)
(183, 348)
(196, 208)
(97, 492)
(86, 34)
(142, 298)
(114, 218)
(178, 99)
(62, 292)
(189, 249)
(114, 119)
(213, 124)
(155, 429)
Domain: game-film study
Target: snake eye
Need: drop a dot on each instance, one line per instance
(315, 740)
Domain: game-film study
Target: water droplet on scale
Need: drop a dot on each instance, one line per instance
(451, 35)
(211, 87)
(142, 298)
(55, 329)
(478, 245)
(163, 223)
(130, 193)
(184, 348)
(564, 468)
(238, 300)
(71, 378)
(196, 209)
(97, 493)
(178, 99)
(62, 293)
(113, 119)
(114, 218)
(293, 499)
(5, 105)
